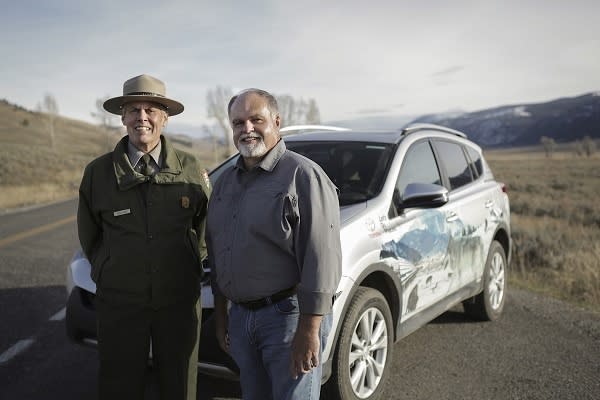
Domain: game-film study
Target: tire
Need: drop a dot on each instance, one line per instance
(364, 349)
(488, 305)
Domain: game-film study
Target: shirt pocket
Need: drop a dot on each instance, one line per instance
(269, 213)
(120, 221)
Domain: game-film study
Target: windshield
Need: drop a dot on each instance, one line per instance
(357, 168)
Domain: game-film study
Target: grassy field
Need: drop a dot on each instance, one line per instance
(555, 221)
(34, 171)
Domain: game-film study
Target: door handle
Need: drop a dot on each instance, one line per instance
(489, 204)
(451, 217)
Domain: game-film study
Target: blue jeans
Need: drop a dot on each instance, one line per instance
(260, 344)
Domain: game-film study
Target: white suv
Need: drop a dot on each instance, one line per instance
(424, 226)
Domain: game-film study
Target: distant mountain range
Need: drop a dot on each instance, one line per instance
(564, 120)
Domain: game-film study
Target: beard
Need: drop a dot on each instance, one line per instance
(252, 150)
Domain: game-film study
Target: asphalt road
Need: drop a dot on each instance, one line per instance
(540, 349)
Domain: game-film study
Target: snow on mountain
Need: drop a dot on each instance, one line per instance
(564, 120)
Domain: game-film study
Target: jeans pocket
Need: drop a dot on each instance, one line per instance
(286, 306)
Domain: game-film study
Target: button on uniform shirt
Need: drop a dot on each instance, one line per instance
(273, 227)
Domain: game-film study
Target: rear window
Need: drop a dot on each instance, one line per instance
(457, 167)
(476, 162)
(358, 169)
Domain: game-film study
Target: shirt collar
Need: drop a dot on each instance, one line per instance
(269, 161)
(135, 154)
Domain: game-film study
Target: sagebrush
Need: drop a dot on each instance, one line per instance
(555, 222)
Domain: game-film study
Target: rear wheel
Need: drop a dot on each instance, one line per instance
(488, 304)
(363, 350)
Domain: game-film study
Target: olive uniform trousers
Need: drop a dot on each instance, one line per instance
(125, 334)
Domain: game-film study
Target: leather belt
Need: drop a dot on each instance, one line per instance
(265, 301)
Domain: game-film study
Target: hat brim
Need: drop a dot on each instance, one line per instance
(115, 104)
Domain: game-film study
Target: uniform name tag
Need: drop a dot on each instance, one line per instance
(122, 212)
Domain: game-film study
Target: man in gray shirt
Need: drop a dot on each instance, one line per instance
(274, 252)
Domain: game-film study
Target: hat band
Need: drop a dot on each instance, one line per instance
(144, 94)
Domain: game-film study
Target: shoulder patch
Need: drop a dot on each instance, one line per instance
(206, 179)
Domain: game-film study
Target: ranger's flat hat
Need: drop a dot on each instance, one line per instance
(143, 88)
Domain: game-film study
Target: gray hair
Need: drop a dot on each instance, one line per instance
(271, 101)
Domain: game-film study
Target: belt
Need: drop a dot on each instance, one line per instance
(265, 301)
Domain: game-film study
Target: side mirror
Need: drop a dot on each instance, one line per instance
(421, 195)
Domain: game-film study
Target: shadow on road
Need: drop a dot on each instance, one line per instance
(25, 309)
(209, 388)
(453, 317)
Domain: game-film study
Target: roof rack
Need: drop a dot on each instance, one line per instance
(304, 128)
(418, 127)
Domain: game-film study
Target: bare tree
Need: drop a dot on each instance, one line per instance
(50, 107)
(104, 119)
(295, 111)
(216, 107)
(287, 110)
(313, 116)
(292, 110)
(549, 145)
(300, 111)
(578, 148)
(589, 146)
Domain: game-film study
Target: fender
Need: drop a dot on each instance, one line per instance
(378, 276)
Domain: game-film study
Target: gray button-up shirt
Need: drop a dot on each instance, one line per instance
(273, 227)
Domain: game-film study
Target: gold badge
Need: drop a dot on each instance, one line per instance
(185, 202)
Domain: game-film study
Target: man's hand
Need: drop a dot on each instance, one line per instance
(306, 345)
(221, 322)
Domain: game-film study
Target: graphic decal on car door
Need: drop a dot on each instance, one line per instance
(429, 255)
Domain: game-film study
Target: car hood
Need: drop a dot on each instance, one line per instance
(348, 212)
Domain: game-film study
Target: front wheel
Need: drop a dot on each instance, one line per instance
(488, 304)
(363, 350)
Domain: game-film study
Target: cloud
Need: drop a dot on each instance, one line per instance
(352, 58)
(448, 71)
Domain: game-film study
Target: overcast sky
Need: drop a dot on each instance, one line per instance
(355, 58)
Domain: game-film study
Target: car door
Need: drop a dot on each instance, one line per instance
(416, 243)
(466, 213)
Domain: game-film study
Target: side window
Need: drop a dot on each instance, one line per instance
(419, 166)
(476, 162)
(454, 160)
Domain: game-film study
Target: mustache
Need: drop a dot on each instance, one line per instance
(250, 135)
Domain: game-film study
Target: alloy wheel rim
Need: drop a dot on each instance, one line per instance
(368, 352)
(496, 281)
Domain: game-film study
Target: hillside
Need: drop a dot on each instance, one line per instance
(564, 120)
(33, 171)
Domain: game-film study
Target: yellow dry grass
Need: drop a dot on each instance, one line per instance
(555, 222)
(32, 171)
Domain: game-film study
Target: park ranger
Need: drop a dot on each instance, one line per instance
(141, 222)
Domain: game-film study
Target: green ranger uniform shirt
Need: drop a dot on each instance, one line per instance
(144, 235)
